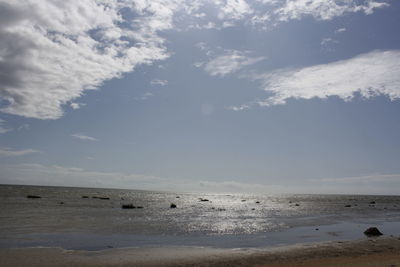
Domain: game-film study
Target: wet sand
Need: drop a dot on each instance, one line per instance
(383, 251)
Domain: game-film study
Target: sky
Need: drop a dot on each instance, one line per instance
(266, 96)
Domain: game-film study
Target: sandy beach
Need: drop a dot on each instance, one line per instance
(384, 251)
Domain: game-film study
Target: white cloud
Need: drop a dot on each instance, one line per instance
(370, 74)
(230, 62)
(76, 105)
(233, 9)
(3, 129)
(324, 9)
(340, 30)
(24, 127)
(52, 51)
(8, 152)
(159, 82)
(84, 137)
(145, 96)
(328, 44)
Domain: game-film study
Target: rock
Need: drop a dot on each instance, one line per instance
(128, 206)
(372, 202)
(257, 202)
(347, 206)
(61, 203)
(173, 206)
(297, 204)
(85, 197)
(372, 231)
(253, 209)
(104, 198)
(33, 196)
(203, 199)
(316, 229)
(177, 196)
(140, 207)
(243, 200)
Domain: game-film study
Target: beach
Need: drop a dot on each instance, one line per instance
(384, 251)
(61, 226)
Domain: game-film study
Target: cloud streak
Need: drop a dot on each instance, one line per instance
(84, 137)
(37, 174)
(9, 152)
(370, 74)
(324, 9)
(231, 61)
(4, 129)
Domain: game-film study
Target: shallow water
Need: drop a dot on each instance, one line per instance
(233, 220)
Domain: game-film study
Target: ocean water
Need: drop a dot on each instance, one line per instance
(61, 217)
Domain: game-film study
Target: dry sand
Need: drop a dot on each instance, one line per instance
(384, 251)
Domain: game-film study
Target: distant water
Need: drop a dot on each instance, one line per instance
(61, 217)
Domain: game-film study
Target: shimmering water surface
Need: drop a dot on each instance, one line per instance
(62, 214)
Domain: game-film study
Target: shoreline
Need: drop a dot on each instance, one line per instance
(382, 251)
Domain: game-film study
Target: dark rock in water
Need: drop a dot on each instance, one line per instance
(316, 229)
(372, 202)
(177, 196)
(203, 199)
(33, 196)
(128, 206)
(347, 206)
(173, 206)
(372, 231)
(104, 198)
(61, 203)
(253, 209)
(243, 200)
(257, 202)
(297, 204)
(140, 207)
(85, 197)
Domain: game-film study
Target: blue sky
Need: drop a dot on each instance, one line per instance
(295, 96)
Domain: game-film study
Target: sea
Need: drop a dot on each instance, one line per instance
(93, 218)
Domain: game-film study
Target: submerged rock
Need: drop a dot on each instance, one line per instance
(347, 206)
(173, 206)
(203, 199)
(33, 196)
(85, 196)
(257, 202)
(372, 202)
(372, 231)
